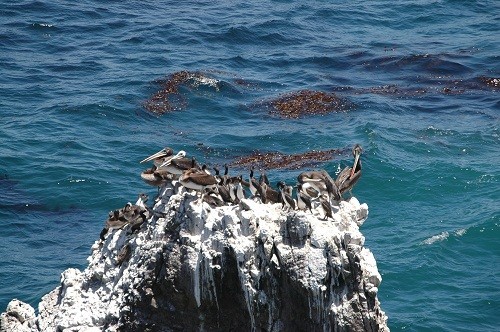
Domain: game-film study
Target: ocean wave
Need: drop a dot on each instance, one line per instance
(444, 236)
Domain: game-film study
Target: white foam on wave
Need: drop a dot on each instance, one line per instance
(203, 80)
(443, 236)
(460, 232)
(436, 238)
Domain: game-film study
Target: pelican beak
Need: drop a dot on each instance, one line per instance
(159, 154)
(355, 164)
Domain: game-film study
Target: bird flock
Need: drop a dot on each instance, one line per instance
(313, 187)
(218, 189)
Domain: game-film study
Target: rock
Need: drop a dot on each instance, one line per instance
(246, 267)
(19, 317)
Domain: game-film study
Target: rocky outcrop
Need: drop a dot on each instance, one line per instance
(244, 267)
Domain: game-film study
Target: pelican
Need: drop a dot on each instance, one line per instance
(321, 181)
(349, 176)
(178, 164)
(116, 220)
(309, 191)
(198, 180)
(156, 177)
(181, 154)
(160, 157)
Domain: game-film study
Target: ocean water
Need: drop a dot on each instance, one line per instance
(421, 78)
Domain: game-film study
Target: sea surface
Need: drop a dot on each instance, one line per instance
(421, 79)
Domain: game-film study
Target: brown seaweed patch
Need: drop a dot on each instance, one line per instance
(307, 102)
(278, 160)
(490, 81)
(169, 98)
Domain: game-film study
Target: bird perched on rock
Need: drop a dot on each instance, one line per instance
(303, 201)
(178, 164)
(286, 195)
(156, 177)
(198, 180)
(272, 196)
(321, 181)
(327, 207)
(349, 176)
(253, 183)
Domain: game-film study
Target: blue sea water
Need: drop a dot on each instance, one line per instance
(75, 76)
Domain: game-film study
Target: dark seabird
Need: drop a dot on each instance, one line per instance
(141, 213)
(252, 183)
(263, 179)
(272, 196)
(325, 204)
(236, 189)
(303, 201)
(217, 175)
(116, 220)
(213, 198)
(286, 198)
(224, 192)
(160, 157)
(262, 192)
(349, 176)
(204, 168)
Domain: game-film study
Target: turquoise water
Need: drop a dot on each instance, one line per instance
(73, 127)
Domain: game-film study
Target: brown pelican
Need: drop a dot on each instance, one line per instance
(309, 191)
(156, 177)
(160, 157)
(348, 177)
(198, 180)
(321, 181)
(179, 155)
(116, 220)
(177, 165)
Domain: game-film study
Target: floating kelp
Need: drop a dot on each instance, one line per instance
(307, 102)
(278, 160)
(490, 81)
(169, 98)
(393, 90)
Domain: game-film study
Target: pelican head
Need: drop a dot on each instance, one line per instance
(356, 152)
(179, 155)
(165, 152)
